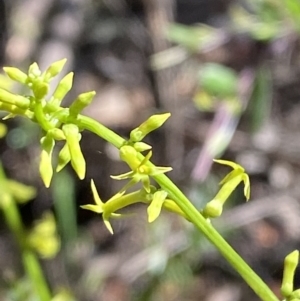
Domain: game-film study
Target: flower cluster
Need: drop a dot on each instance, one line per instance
(141, 171)
(64, 124)
(58, 123)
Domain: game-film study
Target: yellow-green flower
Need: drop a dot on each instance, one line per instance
(214, 208)
(106, 210)
(141, 170)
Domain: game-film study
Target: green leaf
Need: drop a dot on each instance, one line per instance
(192, 37)
(218, 80)
(259, 107)
(293, 8)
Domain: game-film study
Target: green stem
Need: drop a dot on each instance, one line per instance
(30, 261)
(236, 261)
(253, 280)
(100, 130)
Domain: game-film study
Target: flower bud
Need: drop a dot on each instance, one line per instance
(34, 71)
(151, 124)
(64, 157)
(295, 295)
(62, 89)
(54, 69)
(71, 132)
(141, 146)
(129, 155)
(13, 99)
(40, 90)
(56, 134)
(46, 170)
(16, 74)
(290, 263)
(81, 102)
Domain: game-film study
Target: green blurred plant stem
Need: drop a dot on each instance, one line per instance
(253, 280)
(30, 262)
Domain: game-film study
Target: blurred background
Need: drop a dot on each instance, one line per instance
(228, 71)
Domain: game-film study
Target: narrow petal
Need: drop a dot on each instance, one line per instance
(229, 163)
(94, 208)
(123, 176)
(246, 180)
(160, 170)
(154, 208)
(96, 195)
(147, 158)
(107, 224)
(230, 176)
(146, 183)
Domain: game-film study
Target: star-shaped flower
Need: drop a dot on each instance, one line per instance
(141, 170)
(99, 207)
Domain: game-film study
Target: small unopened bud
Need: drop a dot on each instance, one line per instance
(82, 101)
(62, 89)
(71, 132)
(40, 90)
(13, 99)
(290, 263)
(129, 155)
(151, 124)
(54, 69)
(64, 157)
(46, 170)
(16, 74)
(34, 71)
(141, 146)
(57, 134)
(295, 295)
